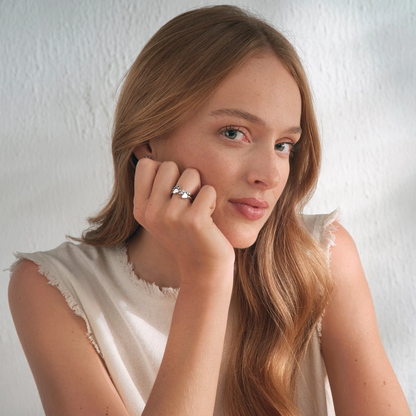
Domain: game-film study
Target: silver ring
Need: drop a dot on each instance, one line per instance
(182, 192)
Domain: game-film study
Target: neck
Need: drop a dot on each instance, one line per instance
(151, 261)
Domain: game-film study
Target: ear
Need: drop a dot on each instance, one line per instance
(144, 150)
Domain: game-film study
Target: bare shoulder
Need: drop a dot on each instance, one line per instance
(351, 303)
(70, 375)
(30, 295)
(361, 377)
(23, 270)
(26, 286)
(34, 302)
(348, 273)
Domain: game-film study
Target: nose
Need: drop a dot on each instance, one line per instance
(263, 169)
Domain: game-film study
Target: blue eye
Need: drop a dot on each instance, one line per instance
(284, 148)
(232, 133)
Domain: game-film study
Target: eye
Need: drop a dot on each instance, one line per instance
(233, 133)
(284, 147)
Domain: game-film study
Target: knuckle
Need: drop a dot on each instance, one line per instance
(171, 216)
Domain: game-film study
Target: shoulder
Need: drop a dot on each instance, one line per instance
(30, 293)
(49, 288)
(350, 304)
(38, 274)
(33, 293)
(361, 377)
(345, 263)
(350, 309)
(25, 283)
(68, 263)
(343, 257)
(65, 279)
(344, 249)
(40, 312)
(321, 227)
(351, 295)
(68, 372)
(67, 250)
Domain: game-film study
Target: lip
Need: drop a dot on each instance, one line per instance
(254, 202)
(251, 208)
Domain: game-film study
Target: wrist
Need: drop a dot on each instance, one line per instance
(218, 282)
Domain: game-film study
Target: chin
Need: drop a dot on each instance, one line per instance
(242, 241)
(240, 235)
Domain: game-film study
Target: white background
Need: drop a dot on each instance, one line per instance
(61, 64)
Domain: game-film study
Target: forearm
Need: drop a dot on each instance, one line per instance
(188, 376)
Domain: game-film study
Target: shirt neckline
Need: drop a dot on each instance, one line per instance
(151, 289)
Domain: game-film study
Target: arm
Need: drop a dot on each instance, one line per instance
(69, 374)
(187, 380)
(361, 377)
(71, 377)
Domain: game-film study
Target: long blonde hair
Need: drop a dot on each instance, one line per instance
(282, 281)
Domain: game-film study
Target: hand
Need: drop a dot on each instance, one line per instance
(186, 229)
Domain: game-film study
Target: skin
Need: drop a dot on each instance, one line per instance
(218, 169)
(191, 245)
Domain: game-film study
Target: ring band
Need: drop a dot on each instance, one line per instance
(182, 192)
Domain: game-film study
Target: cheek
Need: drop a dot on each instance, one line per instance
(284, 171)
(216, 170)
(284, 176)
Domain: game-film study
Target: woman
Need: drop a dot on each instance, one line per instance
(215, 151)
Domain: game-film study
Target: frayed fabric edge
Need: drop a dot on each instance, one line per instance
(54, 281)
(150, 288)
(319, 327)
(328, 230)
(327, 240)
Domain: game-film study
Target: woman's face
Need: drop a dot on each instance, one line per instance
(240, 142)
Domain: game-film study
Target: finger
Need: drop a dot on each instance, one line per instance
(165, 179)
(146, 170)
(205, 202)
(189, 181)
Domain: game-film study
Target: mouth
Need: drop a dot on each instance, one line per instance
(251, 208)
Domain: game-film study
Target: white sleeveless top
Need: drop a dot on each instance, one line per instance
(128, 319)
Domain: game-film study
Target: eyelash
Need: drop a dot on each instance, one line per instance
(293, 146)
(231, 128)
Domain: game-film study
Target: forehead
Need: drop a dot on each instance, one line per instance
(260, 86)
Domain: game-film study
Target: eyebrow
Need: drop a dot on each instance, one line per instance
(235, 112)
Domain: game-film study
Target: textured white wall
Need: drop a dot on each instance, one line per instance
(61, 64)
